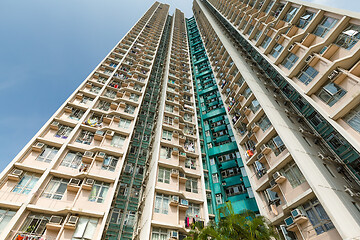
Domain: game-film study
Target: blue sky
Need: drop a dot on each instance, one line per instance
(48, 47)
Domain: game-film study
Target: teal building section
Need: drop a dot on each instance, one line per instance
(298, 105)
(225, 177)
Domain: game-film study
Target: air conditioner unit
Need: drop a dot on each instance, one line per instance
(88, 154)
(296, 213)
(38, 147)
(309, 58)
(68, 109)
(17, 172)
(55, 219)
(184, 202)
(277, 38)
(55, 125)
(349, 191)
(89, 181)
(74, 181)
(174, 234)
(175, 198)
(101, 155)
(259, 156)
(109, 134)
(291, 47)
(116, 118)
(333, 74)
(73, 220)
(79, 95)
(276, 175)
(271, 195)
(262, 147)
(289, 221)
(175, 171)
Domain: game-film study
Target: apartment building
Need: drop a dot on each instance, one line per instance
(255, 102)
(287, 75)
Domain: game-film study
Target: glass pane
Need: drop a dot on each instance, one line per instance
(90, 229)
(80, 228)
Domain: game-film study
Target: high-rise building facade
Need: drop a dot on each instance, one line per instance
(287, 73)
(255, 102)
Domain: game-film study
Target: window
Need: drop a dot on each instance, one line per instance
(264, 123)
(56, 188)
(235, 190)
(188, 117)
(290, 14)
(63, 132)
(317, 216)
(129, 109)
(5, 217)
(276, 50)
(215, 178)
(48, 154)
(269, 6)
(349, 37)
(85, 137)
(293, 174)
(191, 185)
(116, 216)
(164, 175)
(169, 108)
(257, 35)
(72, 160)
(86, 100)
(26, 184)
(327, 23)
(103, 105)
(109, 163)
(254, 106)
(335, 140)
(307, 74)
(266, 42)
(134, 97)
(85, 228)
(98, 192)
(129, 219)
(218, 198)
(162, 203)
(190, 163)
(290, 60)
(277, 145)
(353, 118)
(171, 89)
(331, 93)
(95, 89)
(168, 120)
(76, 114)
(137, 87)
(110, 93)
(193, 210)
(117, 141)
(305, 19)
(165, 152)
(167, 135)
(124, 123)
(159, 234)
(247, 92)
(35, 224)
